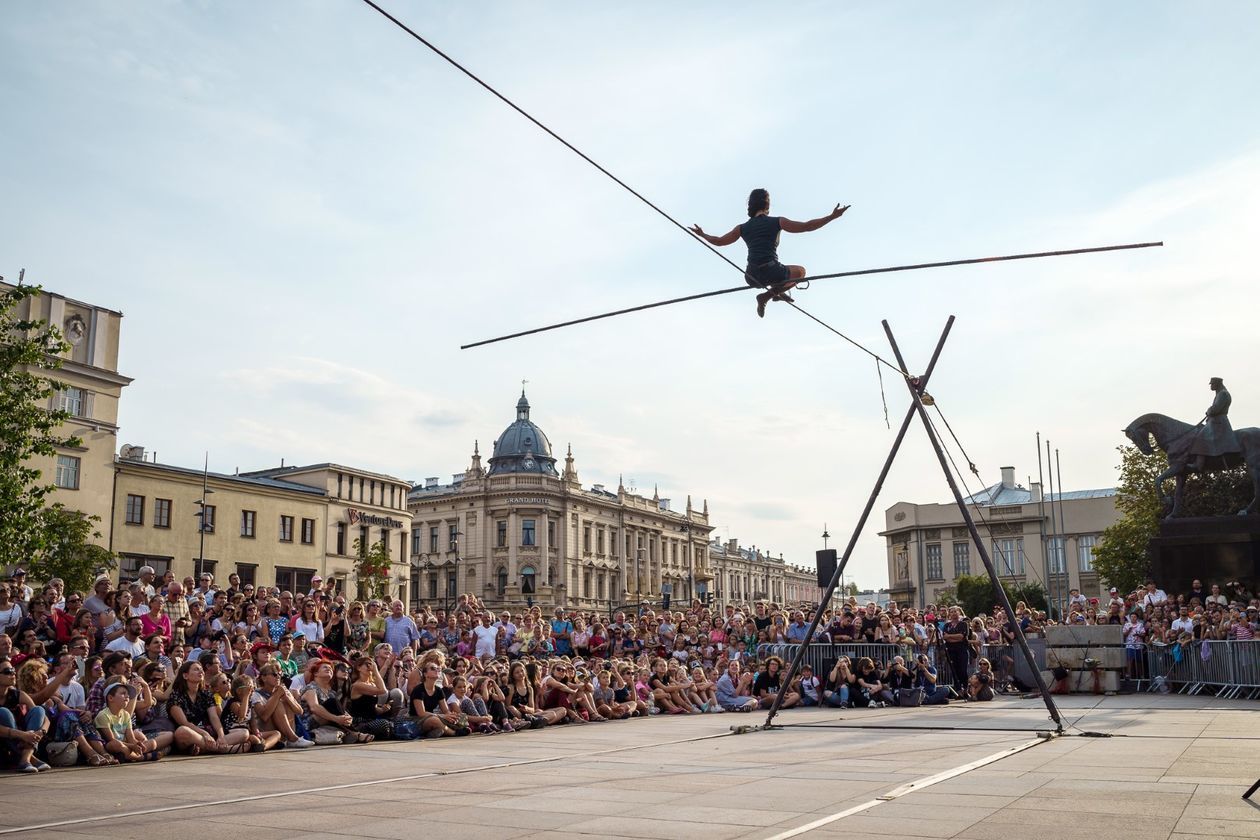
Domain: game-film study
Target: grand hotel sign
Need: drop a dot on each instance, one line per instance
(357, 517)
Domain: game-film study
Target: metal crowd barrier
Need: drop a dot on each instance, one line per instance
(1225, 668)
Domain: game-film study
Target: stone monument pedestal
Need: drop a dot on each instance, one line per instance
(1212, 549)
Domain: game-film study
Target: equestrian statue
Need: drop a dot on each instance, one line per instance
(1207, 446)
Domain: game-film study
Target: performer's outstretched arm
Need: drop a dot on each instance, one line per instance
(813, 224)
(726, 239)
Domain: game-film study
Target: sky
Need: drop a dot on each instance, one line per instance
(303, 213)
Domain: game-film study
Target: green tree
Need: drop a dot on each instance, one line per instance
(71, 553)
(1032, 593)
(372, 568)
(28, 428)
(1122, 556)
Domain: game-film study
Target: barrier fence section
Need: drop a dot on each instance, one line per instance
(1225, 668)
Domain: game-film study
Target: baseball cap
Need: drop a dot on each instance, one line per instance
(19, 571)
(316, 578)
(260, 645)
(1113, 590)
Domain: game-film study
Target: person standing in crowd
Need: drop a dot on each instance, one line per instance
(400, 631)
(957, 638)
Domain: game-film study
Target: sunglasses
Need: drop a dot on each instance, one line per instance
(7, 671)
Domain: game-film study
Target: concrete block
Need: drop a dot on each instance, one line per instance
(1082, 635)
(1108, 657)
(1082, 682)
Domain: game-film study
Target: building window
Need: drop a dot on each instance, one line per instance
(501, 534)
(207, 518)
(308, 532)
(551, 533)
(433, 539)
(248, 573)
(248, 517)
(1056, 557)
(452, 532)
(135, 510)
(527, 532)
(962, 559)
(203, 565)
(339, 482)
(67, 476)
(384, 540)
(129, 564)
(71, 401)
(372, 492)
(415, 541)
(1085, 552)
(341, 538)
(392, 503)
(365, 536)
(527, 580)
(361, 496)
(452, 584)
(501, 581)
(293, 580)
(286, 528)
(586, 583)
(932, 553)
(599, 541)
(161, 513)
(433, 586)
(586, 539)
(1009, 555)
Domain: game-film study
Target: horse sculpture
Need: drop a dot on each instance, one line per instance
(1175, 438)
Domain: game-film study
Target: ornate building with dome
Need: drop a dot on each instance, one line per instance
(519, 532)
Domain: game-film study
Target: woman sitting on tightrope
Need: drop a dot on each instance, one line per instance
(761, 234)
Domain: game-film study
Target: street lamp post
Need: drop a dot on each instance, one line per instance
(452, 586)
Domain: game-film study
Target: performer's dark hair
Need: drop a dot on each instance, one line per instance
(758, 200)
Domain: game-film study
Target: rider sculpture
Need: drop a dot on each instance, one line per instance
(1211, 444)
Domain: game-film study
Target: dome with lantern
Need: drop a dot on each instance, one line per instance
(522, 448)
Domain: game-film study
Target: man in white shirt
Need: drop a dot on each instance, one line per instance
(21, 592)
(145, 577)
(1183, 623)
(95, 602)
(130, 641)
(485, 635)
(1154, 596)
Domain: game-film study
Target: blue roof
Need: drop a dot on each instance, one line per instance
(999, 495)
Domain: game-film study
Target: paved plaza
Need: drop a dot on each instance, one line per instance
(1176, 768)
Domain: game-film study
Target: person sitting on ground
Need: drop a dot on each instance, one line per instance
(428, 702)
(734, 690)
(769, 683)
(979, 688)
(114, 723)
(841, 684)
(925, 679)
(371, 713)
(20, 737)
(194, 712)
(870, 685)
(668, 696)
(243, 729)
(808, 686)
(332, 723)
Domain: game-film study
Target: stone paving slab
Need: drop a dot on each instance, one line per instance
(669, 778)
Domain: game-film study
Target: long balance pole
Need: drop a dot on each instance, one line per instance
(998, 591)
(857, 530)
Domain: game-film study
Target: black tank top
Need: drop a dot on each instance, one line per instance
(363, 707)
(761, 235)
(519, 699)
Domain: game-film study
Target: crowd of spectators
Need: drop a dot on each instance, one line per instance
(136, 671)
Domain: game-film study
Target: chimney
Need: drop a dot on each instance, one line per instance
(664, 504)
(732, 545)
(1008, 478)
(430, 482)
(598, 488)
(1035, 488)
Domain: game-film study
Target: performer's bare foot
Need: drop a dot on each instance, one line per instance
(762, 300)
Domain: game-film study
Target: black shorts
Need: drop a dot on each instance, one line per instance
(773, 273)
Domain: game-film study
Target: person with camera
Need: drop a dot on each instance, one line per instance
(925, 678)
